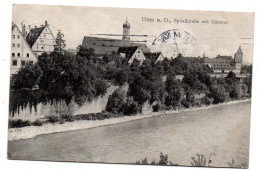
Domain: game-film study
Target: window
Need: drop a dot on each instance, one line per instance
(13, 54)
(28, 55)
(42, 47)
(22, 63)
(14, 62)
(13, 45)
(31, 62)
(138, 51)
(13, 36)
(18, 37)
(18, 45)
(18, 54)
(37, 47)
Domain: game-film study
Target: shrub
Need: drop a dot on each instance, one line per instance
(53, 118)
(68, 117)
(37, 123)
(219, 93)
(145, 161)
(206, 100)
(115, 101)
(131, 107)
(156, 107)
(163, 159)
(199, 160)
(185, 103)
(62, 121)
(18, 123)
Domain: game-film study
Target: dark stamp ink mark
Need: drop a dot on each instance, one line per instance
(176, 39)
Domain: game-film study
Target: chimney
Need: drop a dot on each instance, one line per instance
(46, 23)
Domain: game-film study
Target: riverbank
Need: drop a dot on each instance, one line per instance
(48, 128)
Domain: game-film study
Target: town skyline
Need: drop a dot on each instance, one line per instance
(212, 39)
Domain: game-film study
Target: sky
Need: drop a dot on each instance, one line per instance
(213, 39)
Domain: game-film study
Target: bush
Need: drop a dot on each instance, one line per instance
(199, 160)
(62, 121)
(53, 118)
(131, 107)
(18, 123)
(115, 101)
(37, 123)
(206, 100)
(156, 107)
(185, 103)
(68, 117)
(163, 159)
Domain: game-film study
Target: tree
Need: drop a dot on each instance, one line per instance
(27, 77)
(219, 93)
(116, 101)
(173, 89)
(131, 107)
(121, 77)
(85, 52)
(60, 43)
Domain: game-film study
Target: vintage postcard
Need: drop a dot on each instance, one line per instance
(133, 86)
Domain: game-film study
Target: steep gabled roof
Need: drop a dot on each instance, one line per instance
(34, 35)
(239, 51)
(21, 35)
(152, 56)
(128, 51)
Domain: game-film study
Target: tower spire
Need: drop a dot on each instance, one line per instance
(126, 31)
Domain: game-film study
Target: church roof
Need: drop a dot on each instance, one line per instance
(107, 46)
(34, 35)
(239, 51)
(126, 24)
(128, 51)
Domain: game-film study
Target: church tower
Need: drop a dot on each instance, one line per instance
(238, 59)
(126, 31)
(239, 56)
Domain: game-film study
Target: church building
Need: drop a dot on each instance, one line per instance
(104, 46)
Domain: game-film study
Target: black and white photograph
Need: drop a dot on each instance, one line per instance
(131, 86)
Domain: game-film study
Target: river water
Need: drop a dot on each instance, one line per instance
(221, 132)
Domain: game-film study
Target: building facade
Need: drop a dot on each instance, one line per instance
(132, 53)
(41, 39)
(21, 52)
(225, 64)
